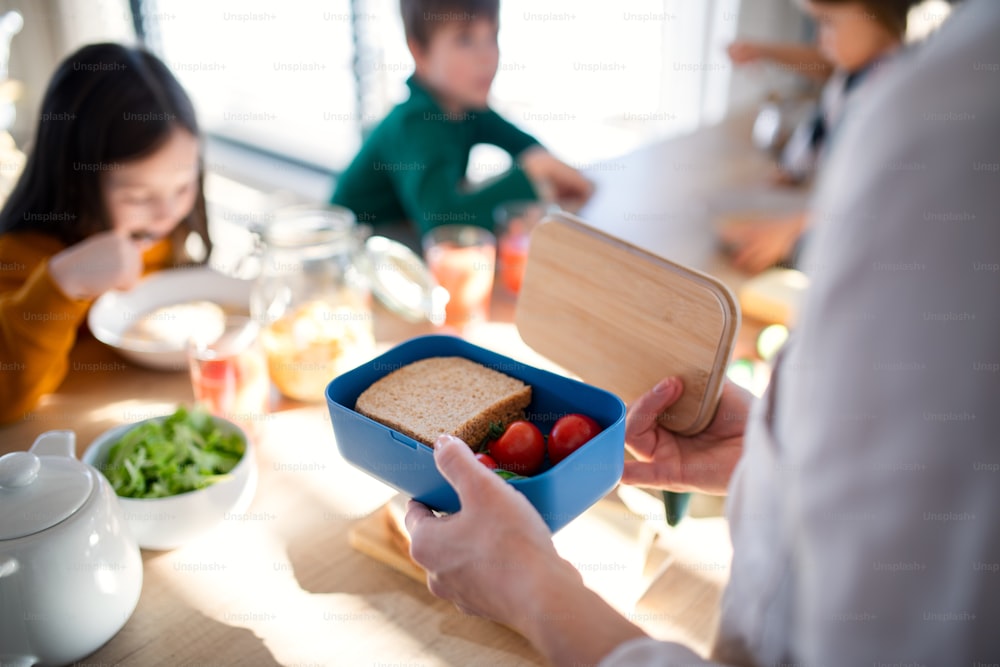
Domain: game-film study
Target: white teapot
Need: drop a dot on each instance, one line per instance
(70, 571)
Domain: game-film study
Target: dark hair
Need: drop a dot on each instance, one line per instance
(106, 104)
(890, 13)
(422, 17)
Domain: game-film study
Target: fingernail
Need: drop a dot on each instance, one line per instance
(664, 386)
(444, 439)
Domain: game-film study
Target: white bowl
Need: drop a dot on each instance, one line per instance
(115, 311)
(167, 523)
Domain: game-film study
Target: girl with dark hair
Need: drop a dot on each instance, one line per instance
(855, 38)
(112, 190)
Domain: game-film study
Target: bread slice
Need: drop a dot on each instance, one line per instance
(445, 395)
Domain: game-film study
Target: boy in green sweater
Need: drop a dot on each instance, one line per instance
(412, 167)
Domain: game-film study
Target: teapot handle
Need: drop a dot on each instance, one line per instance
(55, 443)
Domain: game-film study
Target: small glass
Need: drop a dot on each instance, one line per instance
(462, 258)
(229, 373)
(514, 222)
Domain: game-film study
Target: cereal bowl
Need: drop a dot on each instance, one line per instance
(161, 341)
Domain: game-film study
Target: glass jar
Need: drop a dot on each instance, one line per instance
(312, 299)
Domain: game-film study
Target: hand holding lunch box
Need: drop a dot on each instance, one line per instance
(619, 317)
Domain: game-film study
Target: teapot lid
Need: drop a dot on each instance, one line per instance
(41, 487)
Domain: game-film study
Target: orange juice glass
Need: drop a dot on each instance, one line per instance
(462, 258)
(514, 222)
(229, 374)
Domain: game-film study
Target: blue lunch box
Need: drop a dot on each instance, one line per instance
(560, 493)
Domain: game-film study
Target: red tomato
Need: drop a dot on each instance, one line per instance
(569, 433)
(486, 460)
(521, 449)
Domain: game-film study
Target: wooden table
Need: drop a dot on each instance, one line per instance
(280, 585)
(667, 196)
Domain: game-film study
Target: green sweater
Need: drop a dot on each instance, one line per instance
(413, 165)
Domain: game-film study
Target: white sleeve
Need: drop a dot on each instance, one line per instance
(647, 652)
(889, 399)
(885, 412)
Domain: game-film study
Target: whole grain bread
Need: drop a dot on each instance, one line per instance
(445, 395)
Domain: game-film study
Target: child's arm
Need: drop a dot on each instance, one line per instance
(556, 179)
(799, 58)
(492, 128)
(43, 301)
(38, 325)
(430, 182)
(553, 178)
(757, 244)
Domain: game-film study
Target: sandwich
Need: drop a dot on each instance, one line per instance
(445, 395)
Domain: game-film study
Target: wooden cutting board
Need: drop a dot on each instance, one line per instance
(623, 318)
(381, 536)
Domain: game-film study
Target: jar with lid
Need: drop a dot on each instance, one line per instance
(312, 298)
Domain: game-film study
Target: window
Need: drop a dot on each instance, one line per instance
(277, 76)
(594, 80)
(305, 78)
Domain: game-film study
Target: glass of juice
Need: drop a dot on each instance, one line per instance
(462, 258)
(229, 373)
(514, 222)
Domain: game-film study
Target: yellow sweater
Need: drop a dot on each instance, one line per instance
(38, 323)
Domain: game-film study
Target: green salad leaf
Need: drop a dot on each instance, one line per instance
(184, 452)
(507, 474)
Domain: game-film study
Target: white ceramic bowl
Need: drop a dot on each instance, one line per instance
(167, 523)
(114, 312)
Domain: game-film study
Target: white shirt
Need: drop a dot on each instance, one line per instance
(865, 512)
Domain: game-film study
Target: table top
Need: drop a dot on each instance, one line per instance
(281, 585)
(667, 196)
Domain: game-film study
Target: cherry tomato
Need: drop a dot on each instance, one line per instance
(521, 449)
(486, 460)
(569, 433)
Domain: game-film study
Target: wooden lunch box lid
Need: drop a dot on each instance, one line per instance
(623, 318)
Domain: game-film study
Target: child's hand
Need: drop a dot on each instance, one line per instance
(109, 260)
(741, 52)
(758, 244)
(556, 178)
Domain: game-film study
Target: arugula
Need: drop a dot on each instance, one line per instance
(497, 429)
(184, 452)
(508, 475)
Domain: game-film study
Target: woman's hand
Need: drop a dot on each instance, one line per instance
(495, 558)
(481, 557)
(703, 462)
(109, 260)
